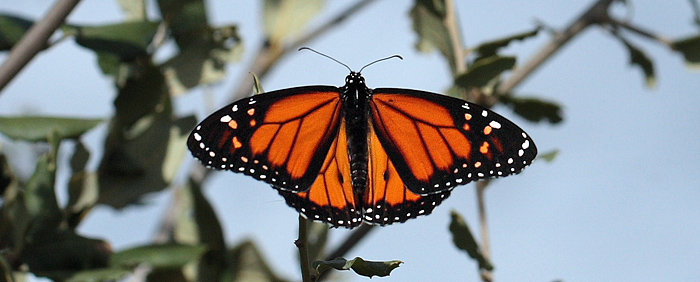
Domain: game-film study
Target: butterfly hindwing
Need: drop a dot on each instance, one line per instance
(437, 142)
(280, 137)
(330, 198)
(387, 199)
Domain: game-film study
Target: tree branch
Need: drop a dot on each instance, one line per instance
(34, 40)
(595, 14)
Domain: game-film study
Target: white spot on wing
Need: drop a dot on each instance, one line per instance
(225, 118)
(495, 124)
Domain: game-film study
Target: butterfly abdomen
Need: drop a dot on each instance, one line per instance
(356, 124)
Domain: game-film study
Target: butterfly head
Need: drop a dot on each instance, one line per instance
(354, 78)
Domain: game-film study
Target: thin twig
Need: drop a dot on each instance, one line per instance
(456, 42)
(34, 40)
(302, 245)
(486, 275)
(640, 31)
(592, 15)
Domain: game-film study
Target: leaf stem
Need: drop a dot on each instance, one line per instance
(34, 40)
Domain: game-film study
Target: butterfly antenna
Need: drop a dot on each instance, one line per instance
(317, 52)
(382, 59)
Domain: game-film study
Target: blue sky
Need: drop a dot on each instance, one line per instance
(620, 202)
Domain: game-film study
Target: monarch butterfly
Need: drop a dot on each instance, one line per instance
(351, 154)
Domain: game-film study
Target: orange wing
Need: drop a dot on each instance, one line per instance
(330, 198)
(437, 142)
(281, 137)
(387, 199)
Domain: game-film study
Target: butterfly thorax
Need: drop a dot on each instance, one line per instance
(356, 97)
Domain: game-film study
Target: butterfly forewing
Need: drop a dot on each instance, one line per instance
(437, 142)
(280, 137)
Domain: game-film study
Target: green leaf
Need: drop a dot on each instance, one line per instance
(359, 265)
(138, 141)
(171, 256)
(690, 48)
(534, 109)
(99, 275)
(15, 217)
(58, 254)
(204, 50)
(484, 70)
(464, 240)
(490, 48)
(203, 61)
(127, 40)
(186, 19)
(429, 24)
(5, 271)
(285, 18)
(82, 187)
(197, 224)
(549, 156)
(196, 211)
(246, 263)
(12, 28)
(7, 177)
(40, 197)
(135, 10)
(36, 129)
(640, 59)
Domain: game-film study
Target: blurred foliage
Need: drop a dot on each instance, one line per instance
(144, 144)
(690, 48)
(11, 30)
(639, 59)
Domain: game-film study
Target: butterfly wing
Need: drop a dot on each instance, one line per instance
(330, 198)
(281, 137)
(437, 142)
(388, 200)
